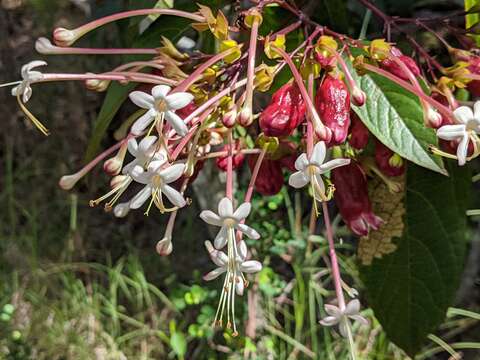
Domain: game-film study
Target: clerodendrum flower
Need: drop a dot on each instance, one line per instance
(234, 264)
(156, 179)
(144, 152)
(160, 105)
(24, 89)
(467, 128)
(229, 220)
(311, 170)
(340, 317)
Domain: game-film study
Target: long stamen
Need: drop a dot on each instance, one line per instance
(116, 189)
(32, 117)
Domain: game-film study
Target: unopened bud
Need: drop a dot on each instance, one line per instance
(113, 166)
(67, 182)
(434, 119)
(229, 118)
(97, 85)
(358, 96)
(117, 180)
(245, 117)
(64, 37)
(121, 210)
(396, 161)
(164, 247)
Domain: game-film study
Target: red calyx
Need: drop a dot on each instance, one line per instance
(351, 197)
(333, 105)
(392, 67)
(222, 161)
(187, 110)
(358, 133)
(474, 67)
(383, 159)
(284, 113)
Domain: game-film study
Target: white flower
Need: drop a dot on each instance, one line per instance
(160, 105)
(156, 180)
(311, 170)
(469, 124)
(239, 265)
(337, 316)
(28, 77)
(228, 220)
(144, 153)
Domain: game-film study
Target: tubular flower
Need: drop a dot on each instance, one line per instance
(358, 133)
(284, 113)
(333, 105)
(269, 180)
(28, 77)
(156, 180)
(228, 221)
(389, 163)
(340, 317)
(351, 197)
(160, 105)
(392, 67)
(467, 129)
(310, 170)
(238, 158)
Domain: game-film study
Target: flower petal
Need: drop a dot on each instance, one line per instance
(221, 238)
(172, 173)
(142, 99)
(160, 91)
(463, 114)
(174, 196)
(302, 162)
(211, 218)
(178, 100)
(298, 180)
(332, 164)
(247, 230)
(139, 175)
(239, 286)
(343, 327)
(451, 132)
(329, 321)
(360, 319)
(176, 122)
(121, 210)
(352, 308)
(214, 274)
(142, 122)
(142, 196)
(476, 110)
(146, 144)
(318, 154)
(26, 69)
(242, 250)
(132, 146)
(333, 310)
(219, 258)
(242, 211)
(462, 150)
(251, 266)
(225, 208)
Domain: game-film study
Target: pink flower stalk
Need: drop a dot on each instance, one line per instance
(392, 66)
(284, 113)
(351, 197)
(237, 159)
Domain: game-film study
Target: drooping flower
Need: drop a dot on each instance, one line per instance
(160, 105)
(333, 105)
(351, 197)
(237, 159)
(467, 128)
(309, 171)
(340, 317)
(388, 162)
(156, 180)
(392, 67)
(29, 76)
(229, 220)
(284, 113)
(358, 133)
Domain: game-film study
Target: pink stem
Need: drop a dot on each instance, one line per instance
(58, 50)
(337, 280)
(253, 179)
(218, 154)
(113, 76)
(229, 190)
(309, 123)
(251, 65)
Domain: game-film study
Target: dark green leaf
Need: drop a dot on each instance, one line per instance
(411, 288)
(395, 117)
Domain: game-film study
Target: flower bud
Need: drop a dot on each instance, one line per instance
(97, 85)
(238, 158)
(284, 113)
(164, 247)
(351, 197)
(229, 118)
(358, 96)
(358, 133)
(121, 210)
(67, 182)
(392, 67)
(113, 166)
(389, 163)
(333, 105)
(117, 180)
(64, 37)
(245, 117)
(433, 118)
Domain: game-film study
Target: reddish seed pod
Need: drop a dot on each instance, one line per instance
(222, 161)
(284, 113)
(333, 105)
(351, 197)
(389, 163)
(358, 133)
(392, 67)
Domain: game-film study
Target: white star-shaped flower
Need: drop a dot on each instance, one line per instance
(228, 220)
(240, 265)
(311, 170)
(160, 105)
(144, 152)
(28, 77)
(468, 125)
(156, 179)
(337, 316)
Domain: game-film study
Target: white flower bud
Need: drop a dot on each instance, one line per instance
(164, 247)
(67, 182)
(64, 37)
(45, 46)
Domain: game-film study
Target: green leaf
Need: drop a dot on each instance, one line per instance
(411, 288)
(395, 117)
(178, 344)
